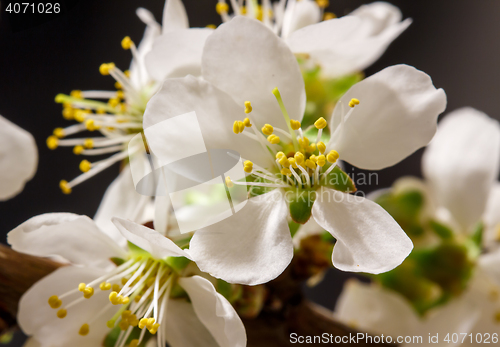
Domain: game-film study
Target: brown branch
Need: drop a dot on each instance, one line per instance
(286, 310)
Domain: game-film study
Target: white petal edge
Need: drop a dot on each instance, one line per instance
(462, 162)
(149, 240)
(215, 312)
(72, 237)
(247, 61)
(18, 158)
(251, 247)
(397, 115)
(368, 238)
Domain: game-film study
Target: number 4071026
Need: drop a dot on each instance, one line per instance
(27, 7)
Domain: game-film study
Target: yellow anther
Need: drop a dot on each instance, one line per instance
(123, 325)
(100, 111)
(124, 300)
(150, 281)
(79, 116)
(113, 298)
(292, 162)
(299, 158)
(138, 298)
(127, 42)
(84, 330)
(104, 69)
(113, 102)
(248, 107)
(259, 14)
(82, 286)
(329, 15)
(247, 123)
(78, 150)
(52, 142)
(88, 292)
(273, 139)
(323, 3)
(285, 171)
(295, 124)
(243, 10)
(115, 287)
(85, 165)
(126, 314)
(151, 322)
(283, 161)
(229, 183)
(88, 143)
(105, 286)
(55, 302)
(68, 113)
(332, 156)
(59, 132)
(321, 147)
(310, 164)
(313, 158)
(280, 155)
(134, 343)
(221, 8)
(90, 125)
(120, 94)
(211, 26)
(118, 85)
(110, 324)
(248, 166)
(238, 126)
(133, 321)
(154, 328)
(321, 160)
(76, 94)
(66, 189)
(353, 102)
(62, 313)
(126, 73)
(311, 148)
(320, 123)
(142, 323)
(124, 280)
(304, 142)
(267, 129)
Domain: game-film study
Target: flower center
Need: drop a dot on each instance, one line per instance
(141, 286)
(299, 162)
(118, 119)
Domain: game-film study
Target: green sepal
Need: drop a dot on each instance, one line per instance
(300, 203)
(177, 263)
(441, 230)
(337, 179)
(232, 292)
(294, 227)
(117, 261)
(477, 235)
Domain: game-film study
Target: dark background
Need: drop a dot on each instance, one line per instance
(454, 41)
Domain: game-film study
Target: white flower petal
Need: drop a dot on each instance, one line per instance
(183, 328)
(31, 342)
(215, 312)
(491, 217)
(18, 158)
(139, 77)
(462, 163)
(351, 43)
(174, 16)
(73, 237)
(368, 238)
(149, 240)
(37, 318)
(489, 264)
(177, 53)
(121, 200)
(397, 115)
(299, 14)
(247, 60)
(251, 247)
(377, 310)
(215, 110)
